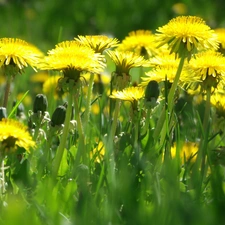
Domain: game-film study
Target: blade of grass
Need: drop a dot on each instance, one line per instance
(17, 104)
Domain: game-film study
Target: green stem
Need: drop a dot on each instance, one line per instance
(3, 177)
(7, 91)
(145, 128)
(136, 135)
(115, 117)
(161, 121)
(81, 142)
(60, 150)
(88, 103)
(204, 140)
(110, 144)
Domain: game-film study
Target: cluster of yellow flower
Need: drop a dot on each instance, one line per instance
(159, 53)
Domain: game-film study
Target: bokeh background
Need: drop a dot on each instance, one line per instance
(45, 22)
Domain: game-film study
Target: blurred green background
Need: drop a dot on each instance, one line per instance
(44, 23)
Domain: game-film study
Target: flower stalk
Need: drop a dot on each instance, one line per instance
(7, 91)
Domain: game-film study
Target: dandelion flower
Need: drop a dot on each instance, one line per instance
(39, 77)
(98, 43)
(72, 54)
(218, 101)
(125, 61)
(187, 33)
(209, 66)
(164, 67)
(129, 94)
(19, 53)
(98, 152)
(142, 42)
(50, 86)
(221, 37)
(14, 134)
(187, 152)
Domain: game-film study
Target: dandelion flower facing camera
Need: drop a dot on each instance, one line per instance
(187, 34)
(14, 134)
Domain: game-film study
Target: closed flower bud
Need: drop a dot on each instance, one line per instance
(40, 103)
(58, 116)
(152, 91)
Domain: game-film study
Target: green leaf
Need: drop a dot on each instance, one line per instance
(17, 104)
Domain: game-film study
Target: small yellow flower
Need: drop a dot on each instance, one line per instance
(50, 86)
(209, 66)
(187, 33)
(18, 52)
(39, 77)
(218, 101)
(72, 54)
(125, 61)
(164, 67)
(129, 94)
(98, 43)
(221, 36)
(14, 134)
(142, 42)
(187, 152)
(98, 153)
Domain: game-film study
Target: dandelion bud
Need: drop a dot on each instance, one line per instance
(3, 113)
(40, 103)
(152, 91)
(58, 116)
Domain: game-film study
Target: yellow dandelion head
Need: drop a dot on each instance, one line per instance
(209, 66)
(18, 52)
(142, 42)
(14, 134)
(218, 101)
(97, 154)
(221, 36)
(98, 43)
(72, 54)
(187, 152)
(164, 67)
(129, 94)
(39, 77)
(187, 33)
(50, 86)
(125, 61)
